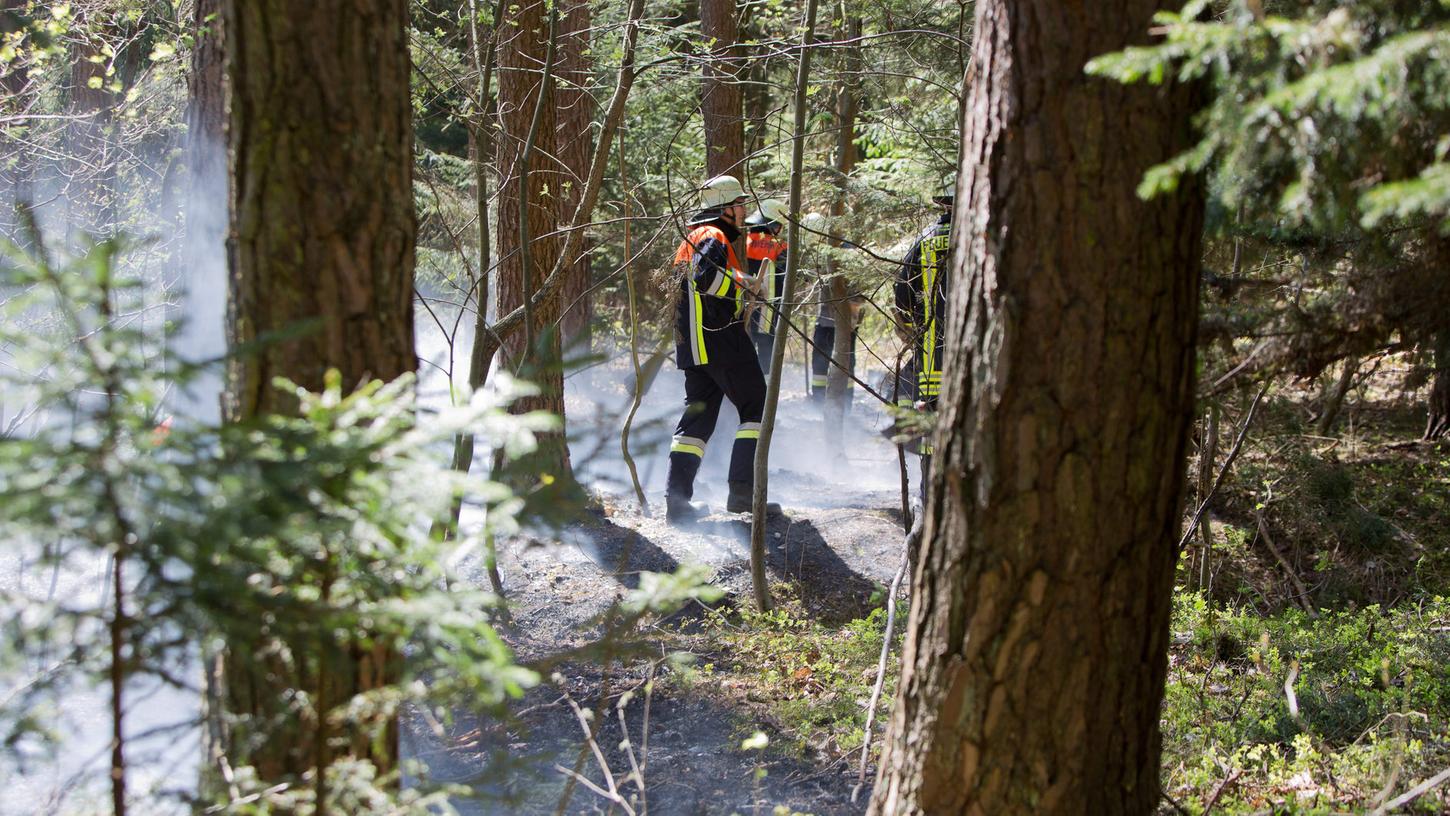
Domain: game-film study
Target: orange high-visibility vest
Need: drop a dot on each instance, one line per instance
(763, 247)
(698, 236)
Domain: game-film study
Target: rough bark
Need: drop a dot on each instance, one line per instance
(721, 105)
(1037, 648)
(206, 146)
(203, 212)
(523, 77)
(204, 219)
(576, 148)
(323, 233)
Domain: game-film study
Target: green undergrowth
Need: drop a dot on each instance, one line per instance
(1369, 718)
(810, 680)
(1341, 712)
(1360, 518)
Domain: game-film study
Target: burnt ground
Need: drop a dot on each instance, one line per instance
(839, 544)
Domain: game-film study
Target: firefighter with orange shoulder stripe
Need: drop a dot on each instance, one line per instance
(921, 287)
(765, 254)
(713, 347)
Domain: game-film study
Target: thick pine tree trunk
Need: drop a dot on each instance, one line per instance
(576, 147)
(522, 55)
(1037, 647)
(324, 235)
(721, 103)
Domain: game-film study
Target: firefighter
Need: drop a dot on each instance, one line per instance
(765, 254)
(713, 348)
(823, 340)
(921, 286)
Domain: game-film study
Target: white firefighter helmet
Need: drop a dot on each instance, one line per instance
(721, 191)
(772, 212)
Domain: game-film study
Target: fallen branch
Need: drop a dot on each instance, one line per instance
(911, 543)
(1302, 593)
(1218, 791)
(1414, 793)
(612, 794)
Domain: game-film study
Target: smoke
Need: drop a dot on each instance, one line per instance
(178, 257)
(804, 469)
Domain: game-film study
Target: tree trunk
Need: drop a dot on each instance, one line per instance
(89, 184)
(1437, 426)
(757, 96)
(204, 209)
(17, 169)
(721, 103)
(758, 579)
(206, 146)
(204, 217)
(838, 384)
(323, 233)
(1333, 399)
(720, 99)
(1036, 654)
(576, 147)
(528, 127)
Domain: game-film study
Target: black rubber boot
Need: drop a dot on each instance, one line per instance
(742, 500)
(681, 512)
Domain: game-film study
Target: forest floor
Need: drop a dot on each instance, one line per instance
(829, 559)
(1357, 517)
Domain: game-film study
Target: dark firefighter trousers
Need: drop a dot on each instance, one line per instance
(705, 386)
(823, 343)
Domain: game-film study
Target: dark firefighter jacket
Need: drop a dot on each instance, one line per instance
(708, 325)
(921, 286)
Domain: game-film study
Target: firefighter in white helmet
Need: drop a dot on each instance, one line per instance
(765, 255)
(713, 347)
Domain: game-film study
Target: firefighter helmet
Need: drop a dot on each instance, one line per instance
(948, 195)
(772, 212)
(721, 191)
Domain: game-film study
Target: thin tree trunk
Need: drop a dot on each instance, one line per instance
(1437, 425)
(837, 383)
(1333, 399)
(323, 242)
(792, 272)
(204, 219)
(1208, 454)
(512, 322)
(1036, 650)
(118, 626)
(480, 141)
(639, 384)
